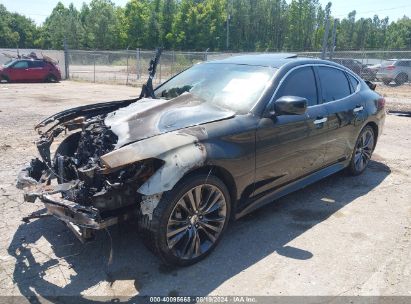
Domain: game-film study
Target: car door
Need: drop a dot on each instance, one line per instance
(18, 71)
(290, 146)
(342, 99)
(36, 71)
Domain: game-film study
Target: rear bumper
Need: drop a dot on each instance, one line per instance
(385, 76)
(82, 220)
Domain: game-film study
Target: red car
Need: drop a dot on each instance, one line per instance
(29, 70)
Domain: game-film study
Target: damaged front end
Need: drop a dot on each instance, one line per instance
(73, 182)
(104, 163)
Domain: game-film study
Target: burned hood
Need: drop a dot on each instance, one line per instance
(150, 117)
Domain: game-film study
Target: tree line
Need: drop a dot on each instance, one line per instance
(252, 25)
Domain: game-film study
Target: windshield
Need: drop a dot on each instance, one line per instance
(8, 63)
(232, 86)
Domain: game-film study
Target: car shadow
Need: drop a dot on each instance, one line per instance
(247, 241)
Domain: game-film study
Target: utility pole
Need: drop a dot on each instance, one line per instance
(66, 59)
(228, 25)
(333, 38)
(327, 29)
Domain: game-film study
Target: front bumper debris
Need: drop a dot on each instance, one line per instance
(82, 220)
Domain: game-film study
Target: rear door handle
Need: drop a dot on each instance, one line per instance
(320, 120)
(358, 109)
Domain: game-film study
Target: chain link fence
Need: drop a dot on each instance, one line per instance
(389, 67)
(130, 66)
(127, 67)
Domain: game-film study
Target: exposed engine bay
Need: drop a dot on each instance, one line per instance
(74, 176)
(78, 159)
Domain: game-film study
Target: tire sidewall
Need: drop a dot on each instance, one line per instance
(167, 204)
(51, 78)
(4, 79)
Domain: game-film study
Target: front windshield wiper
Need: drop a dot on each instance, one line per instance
(147, 90)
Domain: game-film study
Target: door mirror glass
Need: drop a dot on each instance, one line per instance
(290, 105)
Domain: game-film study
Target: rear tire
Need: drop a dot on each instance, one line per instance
(189, 220)
(401, 79)
(51, 79)
(364, 147)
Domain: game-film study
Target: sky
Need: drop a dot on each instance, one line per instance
(38, 10)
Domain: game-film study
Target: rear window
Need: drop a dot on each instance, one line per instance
(354, 82)
(334, 84)
(403, 63)
(388, 62)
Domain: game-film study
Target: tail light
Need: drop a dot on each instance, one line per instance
(390, 67)
(381, 103)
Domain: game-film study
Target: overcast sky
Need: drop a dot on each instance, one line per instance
(38, 10)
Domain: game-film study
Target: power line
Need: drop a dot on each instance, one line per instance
(374, 11)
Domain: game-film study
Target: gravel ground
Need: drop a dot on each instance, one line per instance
(341, 236)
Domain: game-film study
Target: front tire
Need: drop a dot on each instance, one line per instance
(51, 79)
(4, 79)
(188, 221)
(364, 147)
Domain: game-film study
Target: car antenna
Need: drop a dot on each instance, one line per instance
(147, 89)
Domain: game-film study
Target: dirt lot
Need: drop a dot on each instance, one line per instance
(341, 236)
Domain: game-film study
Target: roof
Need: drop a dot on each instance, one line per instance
(270, 60)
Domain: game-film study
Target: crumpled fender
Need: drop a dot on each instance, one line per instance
(181, 151)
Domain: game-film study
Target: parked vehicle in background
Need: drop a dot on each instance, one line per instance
(30, 70)
(397, 70)
(373, 69)
(364, 71)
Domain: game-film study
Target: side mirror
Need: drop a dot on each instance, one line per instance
(290, 105)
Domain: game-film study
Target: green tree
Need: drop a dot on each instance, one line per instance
(102, 25)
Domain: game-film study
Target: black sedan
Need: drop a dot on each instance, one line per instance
(210, 145)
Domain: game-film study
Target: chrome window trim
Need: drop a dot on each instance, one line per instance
(314, 65)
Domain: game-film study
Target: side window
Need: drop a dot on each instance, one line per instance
(300, 82)
(36, 64)
(354, 82)
(334, 84)
(21, 65)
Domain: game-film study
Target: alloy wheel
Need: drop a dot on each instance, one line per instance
(364, 150)
(196, 221)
